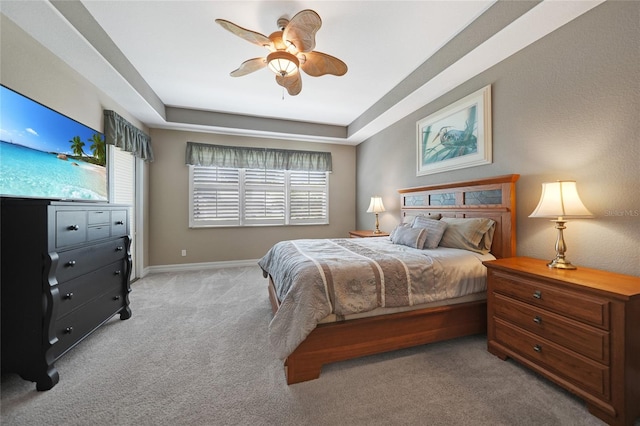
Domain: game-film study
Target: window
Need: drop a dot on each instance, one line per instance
(224, 196)
(122, 176)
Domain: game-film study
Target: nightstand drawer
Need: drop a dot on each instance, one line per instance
(589, 375)
(588, 341)
(575, 305)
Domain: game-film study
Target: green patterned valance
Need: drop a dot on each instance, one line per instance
(199, 154)
(119, 132)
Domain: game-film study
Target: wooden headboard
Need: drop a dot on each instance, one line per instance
(493, 197)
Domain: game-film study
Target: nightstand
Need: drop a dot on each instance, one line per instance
(578, 328)
(366, 234)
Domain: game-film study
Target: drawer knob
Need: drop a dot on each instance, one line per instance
(120, 222)
(116, 272)
(537, 348)
(68, 296)
(71, 263)
(73, 227)
(116, 297)
(537, 294)
(68, 330)
(537, 320)
(119, 248)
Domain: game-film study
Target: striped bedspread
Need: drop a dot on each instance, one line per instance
(314, 278)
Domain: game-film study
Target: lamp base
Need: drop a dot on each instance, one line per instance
(560, 263)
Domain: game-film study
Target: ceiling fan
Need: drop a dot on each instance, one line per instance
(291, 49)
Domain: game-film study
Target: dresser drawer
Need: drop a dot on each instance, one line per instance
(98, 217)
(98, 232)
(588, 309)
(73, 327)
(588, 341)
(73, 263)
(119, 225)
(70, 227)
(587, 374)
(82, 290)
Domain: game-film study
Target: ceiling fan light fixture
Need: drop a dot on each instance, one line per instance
(283, 63)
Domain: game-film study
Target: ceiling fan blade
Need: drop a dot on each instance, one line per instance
(249, 66)
(317, 63)
(291, 82)
(250, 36)
(301, 30)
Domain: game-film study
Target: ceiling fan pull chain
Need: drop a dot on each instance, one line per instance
(283, 93)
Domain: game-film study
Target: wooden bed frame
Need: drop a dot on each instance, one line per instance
(492, 198)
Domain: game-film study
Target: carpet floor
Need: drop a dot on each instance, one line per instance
(195, 352)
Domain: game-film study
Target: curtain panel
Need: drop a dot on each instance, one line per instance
(199, 154)
(126, 136)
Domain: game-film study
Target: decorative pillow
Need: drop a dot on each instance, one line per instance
(435, 229)
(411, 237)
(473, 234)
(402, 225)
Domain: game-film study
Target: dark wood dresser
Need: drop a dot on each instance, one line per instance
(579, 328)
(65, 272)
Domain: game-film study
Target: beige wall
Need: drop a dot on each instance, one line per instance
(566, 107)
(169, 230)
(32, 70)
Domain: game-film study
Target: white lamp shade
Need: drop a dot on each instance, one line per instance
(376, 205)
(560, 199)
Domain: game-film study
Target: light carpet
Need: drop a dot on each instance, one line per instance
(195, 352)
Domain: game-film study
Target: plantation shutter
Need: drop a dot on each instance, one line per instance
(123, 185)
(308, 196)
(264, 197)
(241, 186)
(216, 196)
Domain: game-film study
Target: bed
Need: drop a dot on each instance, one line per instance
(319, 335)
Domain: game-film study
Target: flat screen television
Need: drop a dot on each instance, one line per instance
(45, 154)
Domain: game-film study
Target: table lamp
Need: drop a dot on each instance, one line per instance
(376, 207)
(559, 201)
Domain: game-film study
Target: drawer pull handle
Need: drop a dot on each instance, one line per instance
(120, 222)
(73, 227)
(68, 296)
(116, 297)
(537, 348)
(71, 263)
(68, 330)
(537, 294)
(119, 248)
(116, 272)
(537, 320)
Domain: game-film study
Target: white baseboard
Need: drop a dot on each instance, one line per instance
(181, 267)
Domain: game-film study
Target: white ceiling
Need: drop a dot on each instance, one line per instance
(167, 62)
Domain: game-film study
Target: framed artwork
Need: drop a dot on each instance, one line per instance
(457, 136)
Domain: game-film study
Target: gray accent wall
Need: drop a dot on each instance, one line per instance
(566, 107)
